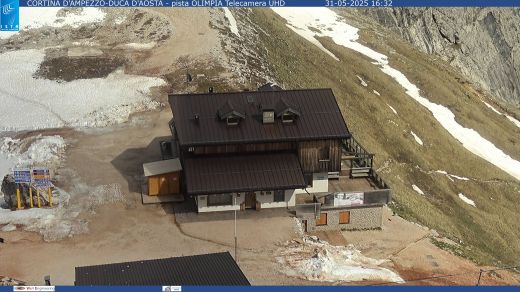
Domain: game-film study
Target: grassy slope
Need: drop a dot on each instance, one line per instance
(489, 232)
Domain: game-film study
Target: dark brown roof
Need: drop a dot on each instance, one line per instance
(242, 173)
(319, 117)
(198, 270)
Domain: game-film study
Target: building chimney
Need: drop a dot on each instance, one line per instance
(210, 89)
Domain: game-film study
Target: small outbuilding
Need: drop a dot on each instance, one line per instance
(163, 178)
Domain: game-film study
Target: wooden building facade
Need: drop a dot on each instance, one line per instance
(258, 146)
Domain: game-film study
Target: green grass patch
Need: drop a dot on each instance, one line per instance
(489, 231)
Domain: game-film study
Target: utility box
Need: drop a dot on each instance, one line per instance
(164, 177)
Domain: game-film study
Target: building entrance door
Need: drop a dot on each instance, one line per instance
(250, 201)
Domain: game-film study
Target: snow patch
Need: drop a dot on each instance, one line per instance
(299, 20)
(451, 175)
(376, 92)
(317, 260)
(390, 121)
(492, 108)
(392, 108)
(330, 24)
(63, 220)
(298, 226)
(7, 163)
(467, 200)
(29, 103)
(36, 17)
(515, 121)
(417, 139)
(418, 190)
(512, 119)
(232, 21)
(8, 228)
(137, 46)
(361, 81)
(45, 151)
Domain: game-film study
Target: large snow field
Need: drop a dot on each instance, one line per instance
(317, 260)
(305, 22)
(36, 17)
(30, 103)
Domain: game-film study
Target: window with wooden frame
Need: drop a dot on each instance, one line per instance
(344, 217)
(322, 220)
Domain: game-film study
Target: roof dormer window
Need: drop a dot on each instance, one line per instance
(286, 111)
(232, 120)
(231, 115)
(288, 117)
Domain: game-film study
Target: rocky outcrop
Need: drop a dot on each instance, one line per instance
(484, 43)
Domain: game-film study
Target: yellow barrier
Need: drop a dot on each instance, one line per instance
(38, 194)
(50, 197)
(30, 195)
(18, 198)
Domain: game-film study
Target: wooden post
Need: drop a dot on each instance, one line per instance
(19, 203)
(30, 195)
(50, 197)
(38, 195)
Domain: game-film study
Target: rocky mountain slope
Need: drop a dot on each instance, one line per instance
(484, 43)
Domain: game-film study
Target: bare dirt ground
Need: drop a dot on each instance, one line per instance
(192, 36)
(414, 256)
(130, 231)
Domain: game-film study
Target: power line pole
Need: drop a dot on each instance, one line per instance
(234, 206)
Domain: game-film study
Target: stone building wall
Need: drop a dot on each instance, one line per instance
(360, 218)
